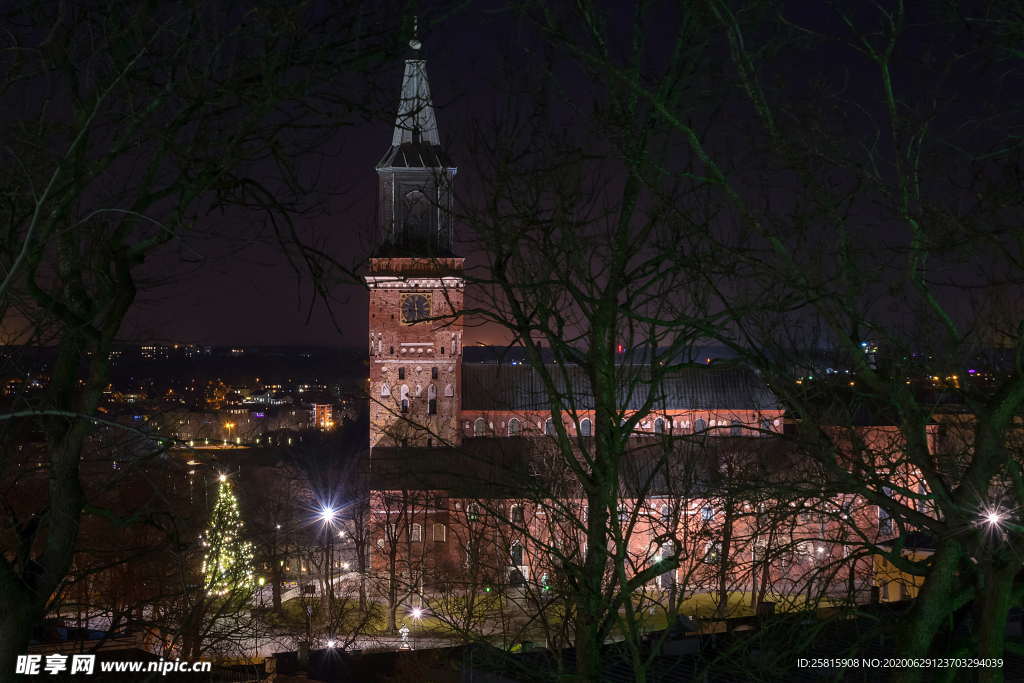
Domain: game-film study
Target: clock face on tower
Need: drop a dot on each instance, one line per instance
(415, 307)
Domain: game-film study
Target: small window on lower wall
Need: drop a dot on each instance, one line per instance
(440, 533)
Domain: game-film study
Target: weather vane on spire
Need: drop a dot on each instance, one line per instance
(415, 43)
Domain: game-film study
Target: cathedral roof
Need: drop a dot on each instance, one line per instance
(415, 142)
(519, 387)
(415, 155)
(519, 467)
(416, 121)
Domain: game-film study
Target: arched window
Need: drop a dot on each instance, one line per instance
(419, 390)
(385, 390)
(516, 554)
(479, 427)
(700, 426)
(514, 427)
(549, 427)
(431, 400)
(417, 217)
(736, 429)
(516, 514)
(586, 427)
(403, 395)
(416, 533)
(659, 426)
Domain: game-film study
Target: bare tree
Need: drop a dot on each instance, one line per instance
(134, 123)
(894, 233)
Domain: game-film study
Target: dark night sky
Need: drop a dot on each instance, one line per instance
(244, 291)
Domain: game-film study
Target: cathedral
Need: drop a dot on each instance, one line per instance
(454, 442)
(423, 389)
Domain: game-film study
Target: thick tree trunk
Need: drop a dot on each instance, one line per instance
(16, 624)
(930, 610)
(590, 603)
(990, 611)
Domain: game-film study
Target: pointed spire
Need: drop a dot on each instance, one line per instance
(416, 121)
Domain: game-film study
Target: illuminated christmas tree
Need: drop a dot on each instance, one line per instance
(227, 558)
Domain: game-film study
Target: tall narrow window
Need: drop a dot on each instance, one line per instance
(659, 426)
(516, 514)
(586, 427)
(514, 427)
(433, 372)
(665, 552)
(516, 555)
(700, 426)
(549, 427)
(401, 373)
(713, 553)
(736, 429)
(440, 533)
(479, 427)
(432, 400)
(416, 533)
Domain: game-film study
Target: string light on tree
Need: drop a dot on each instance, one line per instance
(228, 558)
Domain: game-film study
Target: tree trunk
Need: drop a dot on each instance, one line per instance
(723, 566)
(990, 611)
(276, 579)
(930, 610)
(15, 630)
(590, 604)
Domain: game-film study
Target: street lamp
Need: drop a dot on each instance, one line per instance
(260, 582)
(327, 516)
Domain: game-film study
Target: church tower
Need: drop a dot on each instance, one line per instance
(415, 281)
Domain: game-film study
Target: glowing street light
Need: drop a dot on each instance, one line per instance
(993, 518)
(416, 613)
(327, 514)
